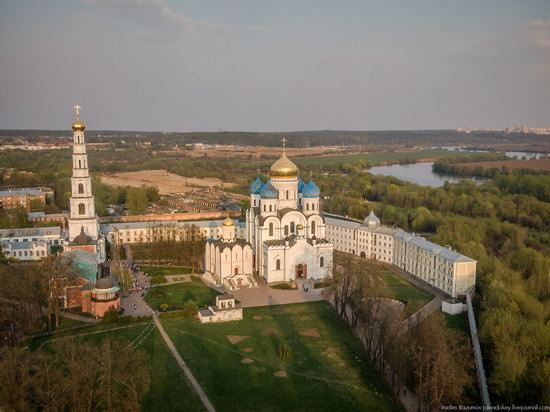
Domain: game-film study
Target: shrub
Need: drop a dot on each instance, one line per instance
(110, 316)
(190, 309)
(282, 286)
(284, 352)
(164, 306)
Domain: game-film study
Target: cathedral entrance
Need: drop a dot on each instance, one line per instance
(301, 271)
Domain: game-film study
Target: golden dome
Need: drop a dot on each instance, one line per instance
(284, 167)
(228, 222)
(78, 125)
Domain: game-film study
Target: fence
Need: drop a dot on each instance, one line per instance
(477, 351)
(53, 332)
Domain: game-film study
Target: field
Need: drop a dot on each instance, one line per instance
(166, 182)
(257, 152)
(535, 165)
(237, 365)
(169, 389)
(177, 294)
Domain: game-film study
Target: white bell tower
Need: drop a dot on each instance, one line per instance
(82, 208)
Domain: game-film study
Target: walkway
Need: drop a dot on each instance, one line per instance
(263, 295)
(208, 405)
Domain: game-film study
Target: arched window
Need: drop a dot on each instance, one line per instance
(287, 195)
(292, 227)
(307, 206)
(286, 230)
(278, 264)
(271, 229)
(81, 209)
(79, 164)
(265, 208)
(322, 262)
(313, 227)
(270, 208)
(80, 188)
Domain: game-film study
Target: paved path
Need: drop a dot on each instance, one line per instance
(208, 405)
(263, 295)
(78, 317)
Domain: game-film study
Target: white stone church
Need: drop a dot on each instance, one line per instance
(286, 227)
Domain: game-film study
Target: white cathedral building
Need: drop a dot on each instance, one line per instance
(286, 227)
(84, 233)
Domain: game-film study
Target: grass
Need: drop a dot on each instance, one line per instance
(458, 322)
(165, 270)
(329, 372)
(177, 294)
(169, 389)
(404, 291)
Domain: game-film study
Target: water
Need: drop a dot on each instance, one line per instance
(519, 155)
(419, 173)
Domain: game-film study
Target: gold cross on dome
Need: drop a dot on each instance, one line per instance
(284, 142)
(77, 108)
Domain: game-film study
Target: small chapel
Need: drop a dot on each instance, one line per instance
(286, 227)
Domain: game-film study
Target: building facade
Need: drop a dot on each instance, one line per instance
(286, 227)
(441, 267)
(83, 222)
(32, 243)
(24, 197)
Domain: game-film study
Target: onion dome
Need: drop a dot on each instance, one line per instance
(311, 190)
(104, 283)
(228, 222)
(82, 238)
(269, 191)
(284, 167)
(78, 125)
(372, 220)
(256, 186)
(301, 184)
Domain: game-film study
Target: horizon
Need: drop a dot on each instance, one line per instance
(278, 67)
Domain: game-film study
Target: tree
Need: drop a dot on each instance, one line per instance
(190, 309)
(136, 200)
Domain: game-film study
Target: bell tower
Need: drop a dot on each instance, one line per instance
(82, 208)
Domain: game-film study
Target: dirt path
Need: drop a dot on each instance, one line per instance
(198, 388)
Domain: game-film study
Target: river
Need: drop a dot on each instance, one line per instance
(419, 173)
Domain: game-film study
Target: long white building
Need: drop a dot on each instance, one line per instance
(441, 267)
(31, 243)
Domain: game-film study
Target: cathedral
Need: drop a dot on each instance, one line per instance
(84, 233)
(286, 227)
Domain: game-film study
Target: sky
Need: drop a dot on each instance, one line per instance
(279, 65)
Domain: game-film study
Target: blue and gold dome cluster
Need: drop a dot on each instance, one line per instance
(268, 191)
(256, 186)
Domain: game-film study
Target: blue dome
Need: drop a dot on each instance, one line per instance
(301, 184)
(311, 190)
(268, 191)
(256, 186)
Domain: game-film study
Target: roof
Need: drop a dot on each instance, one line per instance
(104, 283)
(223, 245)
(225, 297)
(372, 220)
(36, 215)
(32, 191)
(269, 191)
(284, 167)
(82, 239)
(52, 231)
(301, 184)
(311, 190)
(23, 245)
(206, 312)
(256, 185)
(431, 247)
(341, 221)
(111, 227)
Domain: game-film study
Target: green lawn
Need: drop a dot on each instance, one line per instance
(458, 322)
(177, 294)
(169, 389)
(328, 370)
(404, 291)
(165, 270)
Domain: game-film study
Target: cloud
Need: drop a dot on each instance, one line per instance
(157, 21)
(538, 33)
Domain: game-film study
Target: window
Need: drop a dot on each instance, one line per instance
(292, 227)
(271, 229)
(265, 208)
(307, 206)
(286, 230)
(278, 264)
(81, 209)
(287, 195)
(79, 164)
(80, 188)
(322, 262)
(270, 208)
(313, 227)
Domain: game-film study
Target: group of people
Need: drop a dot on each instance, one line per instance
(141, 282)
